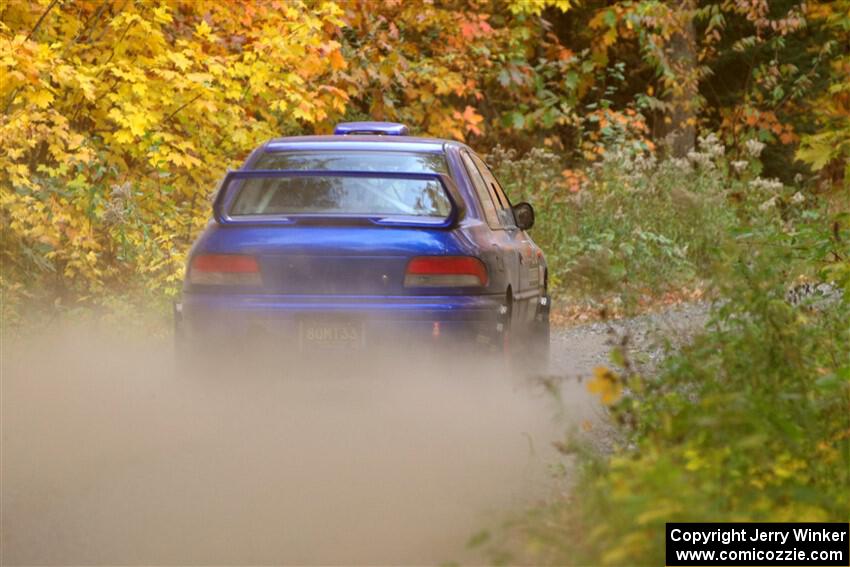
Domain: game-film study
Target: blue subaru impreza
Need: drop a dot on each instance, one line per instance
(368, 237)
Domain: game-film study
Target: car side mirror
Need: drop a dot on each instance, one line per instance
(524, 215)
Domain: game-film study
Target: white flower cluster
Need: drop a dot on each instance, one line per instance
(754, 148)
(709, 150)
(769, 204)
(711, 145)
(701, 159)
(681, 164)
(766, 185)
(772, 187)
(708, 161)
(739, 165)
(645, 163)
(633, 166)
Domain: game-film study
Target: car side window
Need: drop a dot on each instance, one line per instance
(488, 203)
(504, 210)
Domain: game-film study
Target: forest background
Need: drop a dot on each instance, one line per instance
(118, 118)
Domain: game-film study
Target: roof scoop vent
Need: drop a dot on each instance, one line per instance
(371, 128)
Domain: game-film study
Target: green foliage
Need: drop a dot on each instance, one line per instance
(776, 71)
(829, 144)
(635, 225)
(747, 423)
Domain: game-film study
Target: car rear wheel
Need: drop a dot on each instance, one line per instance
(531, 351)
(538, 346)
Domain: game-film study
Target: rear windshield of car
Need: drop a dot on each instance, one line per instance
(354, 160)
(335, 195)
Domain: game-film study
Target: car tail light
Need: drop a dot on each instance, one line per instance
(225, 269)
(445, 271)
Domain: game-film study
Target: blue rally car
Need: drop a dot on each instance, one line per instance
(368, 237)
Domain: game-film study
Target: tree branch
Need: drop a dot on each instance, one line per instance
(41, 19)
(182, 106)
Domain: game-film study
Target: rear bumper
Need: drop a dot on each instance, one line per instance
(389, 320)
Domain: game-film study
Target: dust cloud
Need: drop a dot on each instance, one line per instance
(109, 455)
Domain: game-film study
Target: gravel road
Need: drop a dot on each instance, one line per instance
(108, 457)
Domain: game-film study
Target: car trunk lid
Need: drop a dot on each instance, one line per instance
(344, 260)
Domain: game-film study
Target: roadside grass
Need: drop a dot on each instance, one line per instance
(634, 228)
(748, 422)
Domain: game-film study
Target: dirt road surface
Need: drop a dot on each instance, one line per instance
(109, 457)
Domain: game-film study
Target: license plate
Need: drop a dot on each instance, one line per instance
(330, 334)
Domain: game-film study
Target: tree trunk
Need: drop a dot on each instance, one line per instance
(678, 127)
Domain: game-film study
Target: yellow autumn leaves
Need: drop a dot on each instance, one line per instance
(117, 121)
(606, 384)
